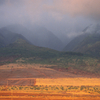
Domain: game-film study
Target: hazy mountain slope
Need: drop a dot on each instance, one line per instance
(75, 42)
(7, 37)
(22, 48)
(38, 36)
(46, 38)
(94, 49)
(89, 44)
(2, 42)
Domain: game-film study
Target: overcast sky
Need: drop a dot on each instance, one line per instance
(67, 17)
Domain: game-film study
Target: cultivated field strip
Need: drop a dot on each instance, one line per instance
(55, 81)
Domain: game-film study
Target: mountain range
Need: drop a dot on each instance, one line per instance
(87, 43)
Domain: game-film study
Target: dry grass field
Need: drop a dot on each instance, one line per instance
(69, 81)
(40, 82)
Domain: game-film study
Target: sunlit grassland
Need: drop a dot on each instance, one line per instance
(53, 89)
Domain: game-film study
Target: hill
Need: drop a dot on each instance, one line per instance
(24, 52)
(38, 36)
(22, 48)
